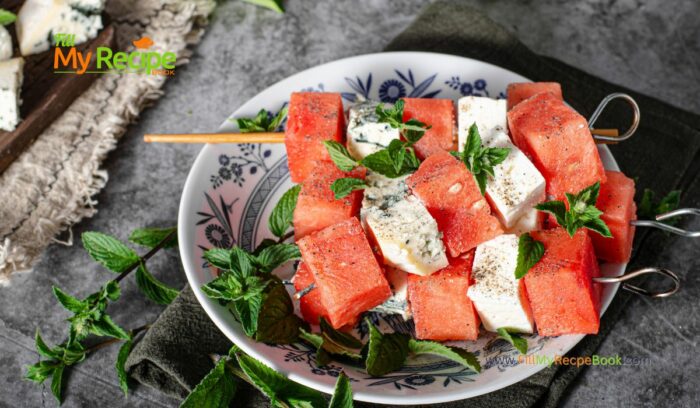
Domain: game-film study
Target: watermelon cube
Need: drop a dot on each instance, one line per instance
(449, 192)
(439, 114)
(439, 303)
(310, 304)
(313, 117)
(616, 201)
(317, 207)
(563, 297)
(519, 91)
(559, 143)
(346, 272)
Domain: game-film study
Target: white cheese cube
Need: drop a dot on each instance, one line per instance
(488, 114)
(403, 228)
(398, 302)
(530, 221)
(365, 134)
(38, 20)
(5, 44)
(497, 296)
(517, 185)
(10, 88)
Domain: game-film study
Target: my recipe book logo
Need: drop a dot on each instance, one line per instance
(68, 60)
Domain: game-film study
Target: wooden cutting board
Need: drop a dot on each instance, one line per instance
(45, 96)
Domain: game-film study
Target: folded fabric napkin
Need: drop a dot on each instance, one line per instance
(173, 356)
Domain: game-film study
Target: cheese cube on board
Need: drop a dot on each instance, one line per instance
(498, 297)
(5, 44)
(39, 20)
(398, 302)
(365, 134)
(402, 227)
(10, 88)
(517, 185)
(488, 114)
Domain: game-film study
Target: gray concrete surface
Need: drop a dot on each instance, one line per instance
(651, 46)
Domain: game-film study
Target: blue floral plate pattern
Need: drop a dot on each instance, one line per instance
(231, 190)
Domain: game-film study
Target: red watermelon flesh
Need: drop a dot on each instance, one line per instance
(519, 91)
(346, 272)
(449, 192)
(559, 143)
(310, 304)
(563, 297)
(439, 303)
(317, 207)
(439, 114)
(313, 117)
(616, 201)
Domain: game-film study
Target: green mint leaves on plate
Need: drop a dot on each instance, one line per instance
(395, 160)
(530, 251)
(512, 337)
(7, 17)
(650, 207)
(342, 187)
(264, 121)
(480, 160)
(385, 352)
(582, 212)
(455, 354)
(283, 213)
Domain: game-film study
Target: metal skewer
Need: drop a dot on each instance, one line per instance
(670, 228)
(639, 291)
(602, 135)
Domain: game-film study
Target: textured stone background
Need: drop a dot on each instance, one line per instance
(651, 46)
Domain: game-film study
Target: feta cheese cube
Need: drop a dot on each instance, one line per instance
(5, 44)
(38, 20)
(10, 87)
(530, 221)
(365, 134)
(516, 186)
(403, 228)
(488, 114)
(497, 296)
(398, 302)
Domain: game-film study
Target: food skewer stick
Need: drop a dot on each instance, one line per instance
(611, 136)
(273, 137)
(601, 279)
(670, 228)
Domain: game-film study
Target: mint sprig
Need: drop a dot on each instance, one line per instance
(282, 215)
(512, 337)
(480, 160)
(455, 354)
(264, 121)
(151, 237)
(7, 17)
(530, 251)
(274, 5)
(650, 207)
(217, 389)
(582, 212)
(342, 187)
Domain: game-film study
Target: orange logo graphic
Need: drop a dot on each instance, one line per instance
(143, 43)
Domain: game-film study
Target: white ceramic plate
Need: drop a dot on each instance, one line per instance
(231, 190)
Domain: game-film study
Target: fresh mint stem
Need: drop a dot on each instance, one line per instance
(106, 343)
(146, 257)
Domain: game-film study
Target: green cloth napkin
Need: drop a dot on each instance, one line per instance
(173, 355)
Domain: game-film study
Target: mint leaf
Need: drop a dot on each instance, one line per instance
(556, 208)
(248, 311)
(396, 160)
(273, 256)
(649, 207)
(455, 354)
(264, 121)
(106, 327)
(124, 351)
(154, 289)
(338, 343)
(151, 237)
(7, 17)
(342, 187)
(274, 5)
(392, 115)
(340, 155)
(277, 322)
(40, 371)
(109, 252)
(530, 251)
(283, 213)
(218, 258)
(57, 383)
(322, 356)
(481, 160)
(581, 212)
(512, 337)
(216, 390)
(277, 387)
(342, 394)
(43, 349)
(67, 301)
(385, 352)
(241, 262)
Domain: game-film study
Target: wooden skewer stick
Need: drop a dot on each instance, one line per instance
(261, 137)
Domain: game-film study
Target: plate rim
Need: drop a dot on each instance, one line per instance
(186, 234)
